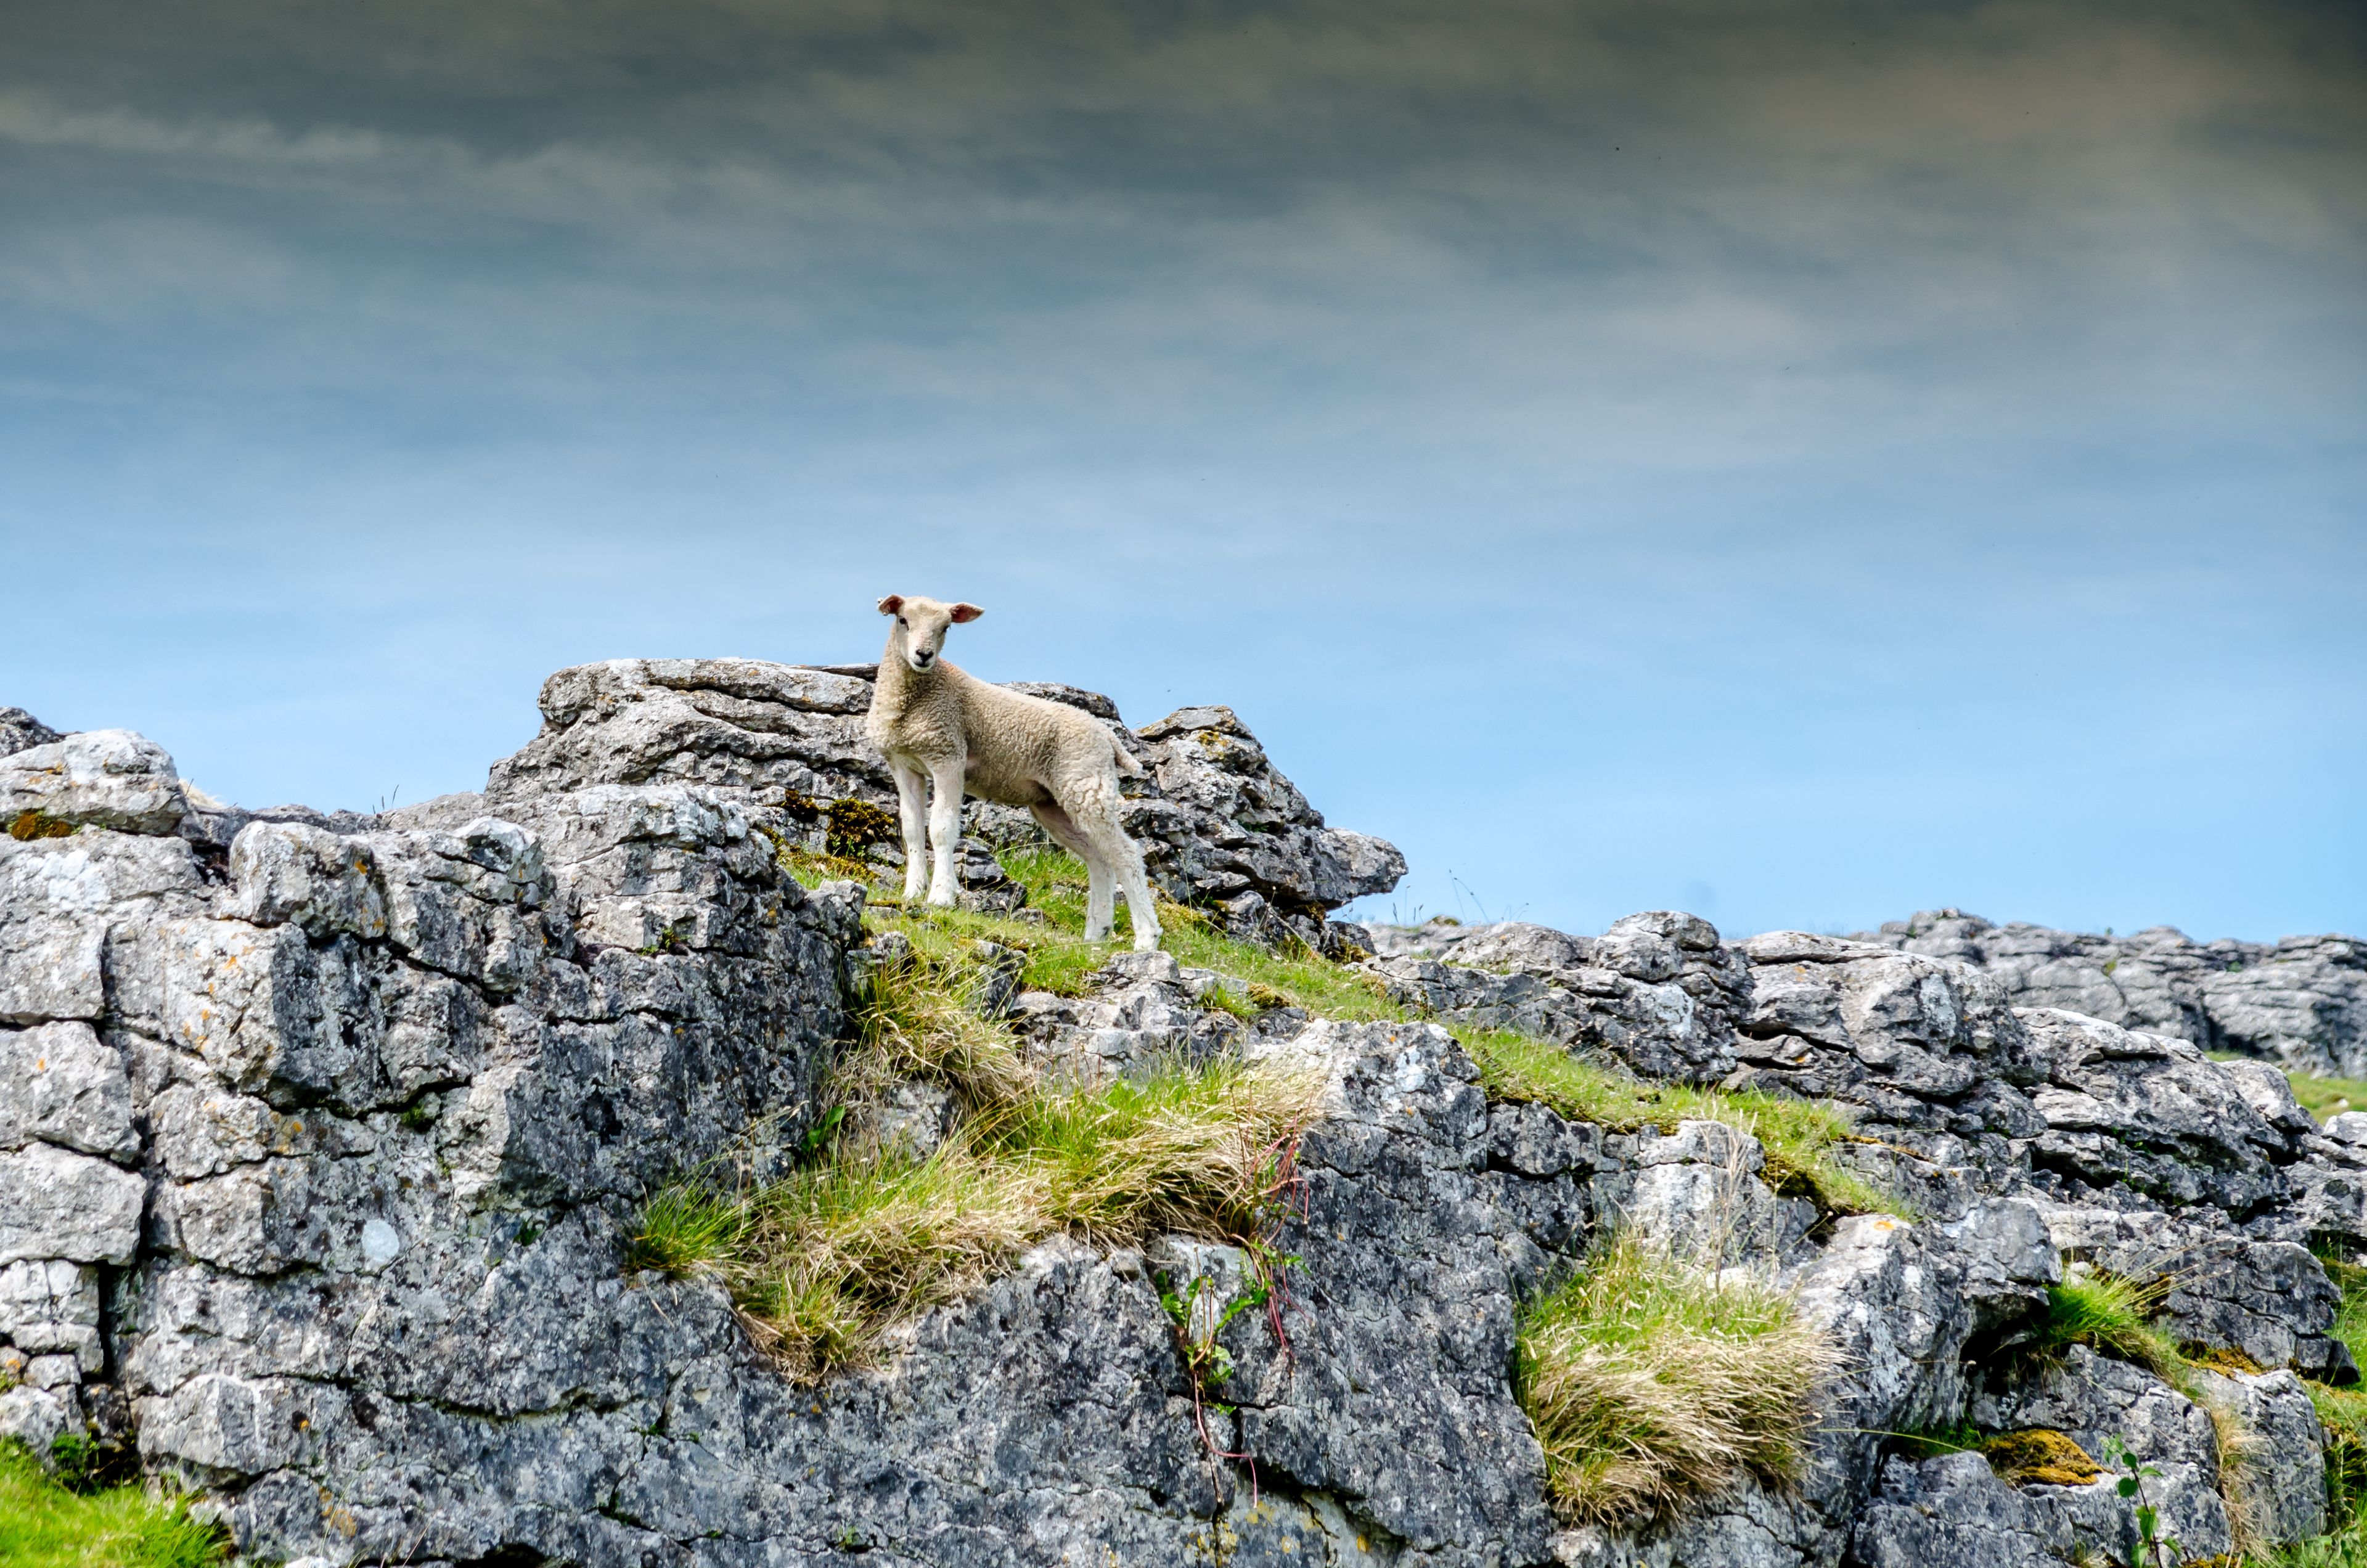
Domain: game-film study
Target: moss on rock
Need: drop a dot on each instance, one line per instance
(2039, 1456)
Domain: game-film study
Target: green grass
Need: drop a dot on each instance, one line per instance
(2325, 1098)
(1649, 1382)
(43, 1525)
(1799, 1135)
(2114, 1316)
(920, 1021)
(1060, 958)
(2342, 1413)
(823, 1264)
(684, 1229)
(2345, 1547)
(1182, 1148)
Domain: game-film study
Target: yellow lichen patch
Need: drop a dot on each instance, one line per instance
(30, 825)
(2039, 1458)
(2222, 1358)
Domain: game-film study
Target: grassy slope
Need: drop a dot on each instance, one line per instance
(1801, 1137)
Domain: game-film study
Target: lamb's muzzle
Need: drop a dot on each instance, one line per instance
(946, 733)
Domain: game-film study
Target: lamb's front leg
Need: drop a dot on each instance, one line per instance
(912, 816)
(945, 828)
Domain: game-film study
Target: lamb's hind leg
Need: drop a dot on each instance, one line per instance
(1070, 836)
(1123, 856)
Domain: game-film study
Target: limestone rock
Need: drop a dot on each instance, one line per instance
(293, 871)
(99, 778)
(1658, 991)
(20, 731)
(60, 1085)
(57, 1206)
(2301, 1002)
(737, 724)
(2280, 1485)
(61, 902)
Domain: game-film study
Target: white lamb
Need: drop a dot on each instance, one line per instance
(944, 728)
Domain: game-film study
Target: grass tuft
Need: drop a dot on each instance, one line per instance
(688, 1229)
(2114, 1316)
(1651, 1382)
(921, 1020)
(835, 1256)
(44, 1525)
(1200, 1149)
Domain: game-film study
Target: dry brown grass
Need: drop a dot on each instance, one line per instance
(1651, 1382)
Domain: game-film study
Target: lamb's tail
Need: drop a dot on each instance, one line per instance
(1126, 763)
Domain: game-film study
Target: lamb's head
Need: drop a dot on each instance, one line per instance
(921, 625)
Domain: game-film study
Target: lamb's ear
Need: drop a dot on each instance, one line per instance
(967, 611)
(893, 603)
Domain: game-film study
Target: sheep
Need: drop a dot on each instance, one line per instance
(940, 726)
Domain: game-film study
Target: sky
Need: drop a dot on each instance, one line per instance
(1801, 464)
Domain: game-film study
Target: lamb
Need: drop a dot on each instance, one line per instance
(943, 728)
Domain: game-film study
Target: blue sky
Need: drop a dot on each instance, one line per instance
(1799, 465)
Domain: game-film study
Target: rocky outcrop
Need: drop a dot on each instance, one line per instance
(2301, 1002)
(1657, 991)
(321, 1137)
(1221, 827)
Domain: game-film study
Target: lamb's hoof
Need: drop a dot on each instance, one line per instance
(1147, 943)
(946, 902)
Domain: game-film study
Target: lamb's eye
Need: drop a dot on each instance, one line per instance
(903, 622)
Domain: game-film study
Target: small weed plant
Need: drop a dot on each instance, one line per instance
(1649, 1382)
(1200, 1323)
(2150, 1548)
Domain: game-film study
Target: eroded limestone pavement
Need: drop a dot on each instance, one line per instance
(319, 1135)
